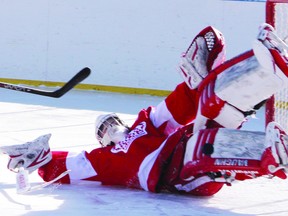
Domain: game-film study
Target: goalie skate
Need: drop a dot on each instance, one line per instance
(30, 155)
(276, 154)
(277, 47)
(271, 40)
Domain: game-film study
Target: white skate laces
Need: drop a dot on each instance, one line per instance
(29, 156)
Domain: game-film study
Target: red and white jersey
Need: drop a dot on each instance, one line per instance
(177, 110)
(138, 160)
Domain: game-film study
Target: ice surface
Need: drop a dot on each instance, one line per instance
(70, 119)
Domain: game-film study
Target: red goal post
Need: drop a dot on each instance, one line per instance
(277, 106)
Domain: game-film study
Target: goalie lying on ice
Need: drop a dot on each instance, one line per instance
(191, 142)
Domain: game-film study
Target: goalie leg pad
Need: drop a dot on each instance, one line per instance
(226, 151)
(249, 80)
(200, 186)
(232, 91)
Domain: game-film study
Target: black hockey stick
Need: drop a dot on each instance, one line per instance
(79, 77)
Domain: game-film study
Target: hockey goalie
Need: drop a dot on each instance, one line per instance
(192, 141)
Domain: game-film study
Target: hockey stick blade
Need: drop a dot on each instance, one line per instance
(79, 77)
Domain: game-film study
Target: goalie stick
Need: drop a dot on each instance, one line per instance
(79, 77)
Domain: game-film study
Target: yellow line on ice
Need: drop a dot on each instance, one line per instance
(116, 89)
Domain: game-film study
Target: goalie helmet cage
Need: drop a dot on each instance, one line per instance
(277, 105)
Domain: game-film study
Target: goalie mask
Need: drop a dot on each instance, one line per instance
(110, 129)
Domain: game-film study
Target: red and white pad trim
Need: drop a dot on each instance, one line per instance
(249, 80)
(192, 185)
(224, 150)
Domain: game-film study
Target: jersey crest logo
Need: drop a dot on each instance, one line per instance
(123, 146)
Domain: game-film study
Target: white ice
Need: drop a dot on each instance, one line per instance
(70, 119)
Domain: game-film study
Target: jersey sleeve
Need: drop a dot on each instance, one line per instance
(178, 109)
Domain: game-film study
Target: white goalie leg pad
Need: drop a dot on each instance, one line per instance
(226, 151)
(250, 81)
(272, 55)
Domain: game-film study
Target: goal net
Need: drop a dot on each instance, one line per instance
(277, 106)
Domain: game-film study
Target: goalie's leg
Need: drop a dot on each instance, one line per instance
(235, 89)
(214, 157)
(206, 51)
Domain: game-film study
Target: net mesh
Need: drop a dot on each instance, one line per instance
(277, 15)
